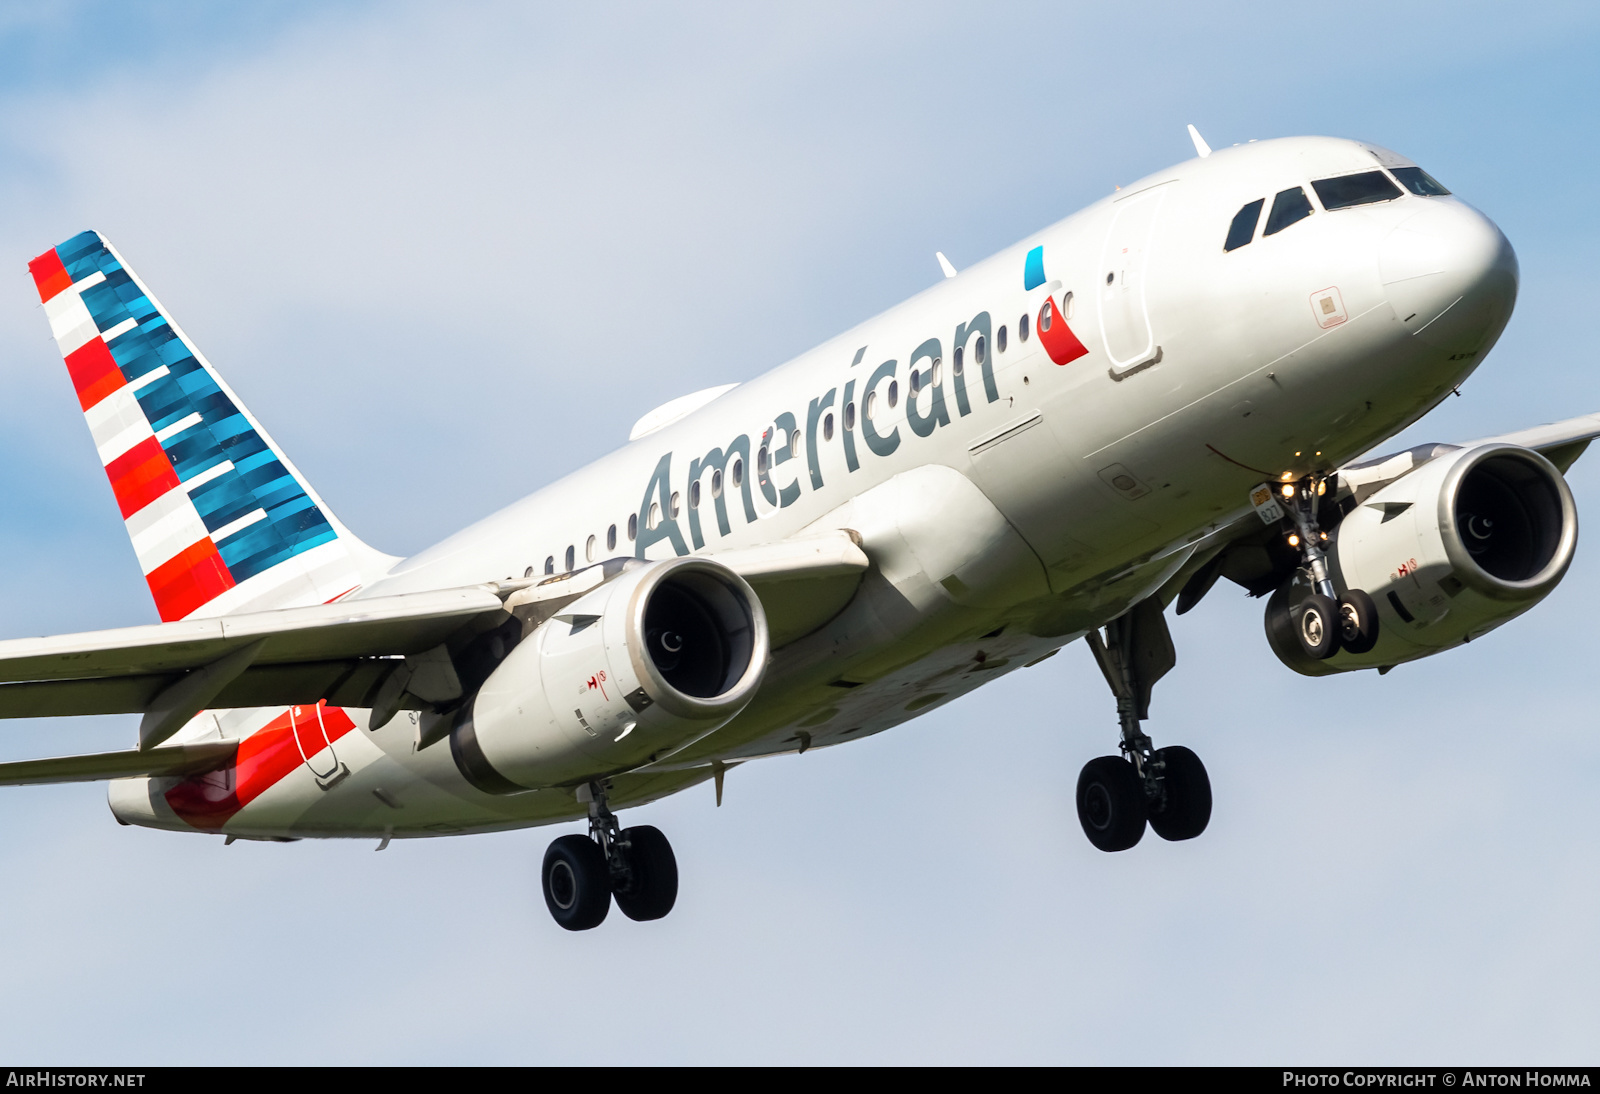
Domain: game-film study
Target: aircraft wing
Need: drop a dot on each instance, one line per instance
(344, 652)
(1559, 442)
(387, 653)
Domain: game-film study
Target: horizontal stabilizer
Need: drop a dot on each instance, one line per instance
(190, 759)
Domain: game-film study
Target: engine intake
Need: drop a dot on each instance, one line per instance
(640, 667)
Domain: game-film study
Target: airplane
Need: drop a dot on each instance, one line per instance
(1171, 386)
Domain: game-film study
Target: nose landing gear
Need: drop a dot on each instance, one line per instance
(1324, 622)
(1166, 788)
(581, 874)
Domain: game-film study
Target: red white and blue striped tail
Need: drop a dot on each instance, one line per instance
(219, 517)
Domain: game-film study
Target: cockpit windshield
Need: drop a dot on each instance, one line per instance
(1348, 190)
(1419, 182)
(1243, 228)
(1290, 207)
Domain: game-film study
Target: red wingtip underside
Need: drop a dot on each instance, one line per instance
(49, 274)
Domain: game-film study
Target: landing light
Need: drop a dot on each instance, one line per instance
(1288, 489)
(1294, 540)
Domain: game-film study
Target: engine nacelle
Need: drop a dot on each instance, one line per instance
(647, 663)
(1448, 552)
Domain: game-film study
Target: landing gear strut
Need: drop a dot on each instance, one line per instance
(1324, 622)
(635, 865)
(1166, 788)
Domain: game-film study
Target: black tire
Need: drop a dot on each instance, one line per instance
(654, 889)
(1187, 808)
(1358, 622)
(577, 885)
(1111, 803)
(1316, 626)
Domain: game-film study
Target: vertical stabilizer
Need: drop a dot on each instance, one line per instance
(219, 518)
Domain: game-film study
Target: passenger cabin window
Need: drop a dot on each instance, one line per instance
(1243, 228)
(1289, 207)
(1022, 329)
(572, 557)
(1348, 190)
(1000, 339)
(611, 538)
(827, 426)
(633, 528)
(550, 564)
(694, 494)
(1419, 182)
(589, 549)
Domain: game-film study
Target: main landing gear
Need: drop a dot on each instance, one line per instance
(1323, 622)
(582, 874)
(1166, 788)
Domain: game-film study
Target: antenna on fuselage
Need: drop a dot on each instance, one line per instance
(944, 264)
(1200, 146)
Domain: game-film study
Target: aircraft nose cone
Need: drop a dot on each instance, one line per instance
(1451, 275)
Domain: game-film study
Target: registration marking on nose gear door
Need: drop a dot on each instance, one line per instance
(1327, 307)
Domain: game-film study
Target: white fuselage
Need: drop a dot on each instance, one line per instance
(1007, 506)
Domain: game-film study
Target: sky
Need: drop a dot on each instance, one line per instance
(448, 253)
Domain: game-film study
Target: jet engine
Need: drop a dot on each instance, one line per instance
(1447, 553)
(648, 662)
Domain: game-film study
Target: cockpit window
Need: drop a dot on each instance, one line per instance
(1362, 189)
(1288, 207)
(1243, 228)
(1419, 182)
